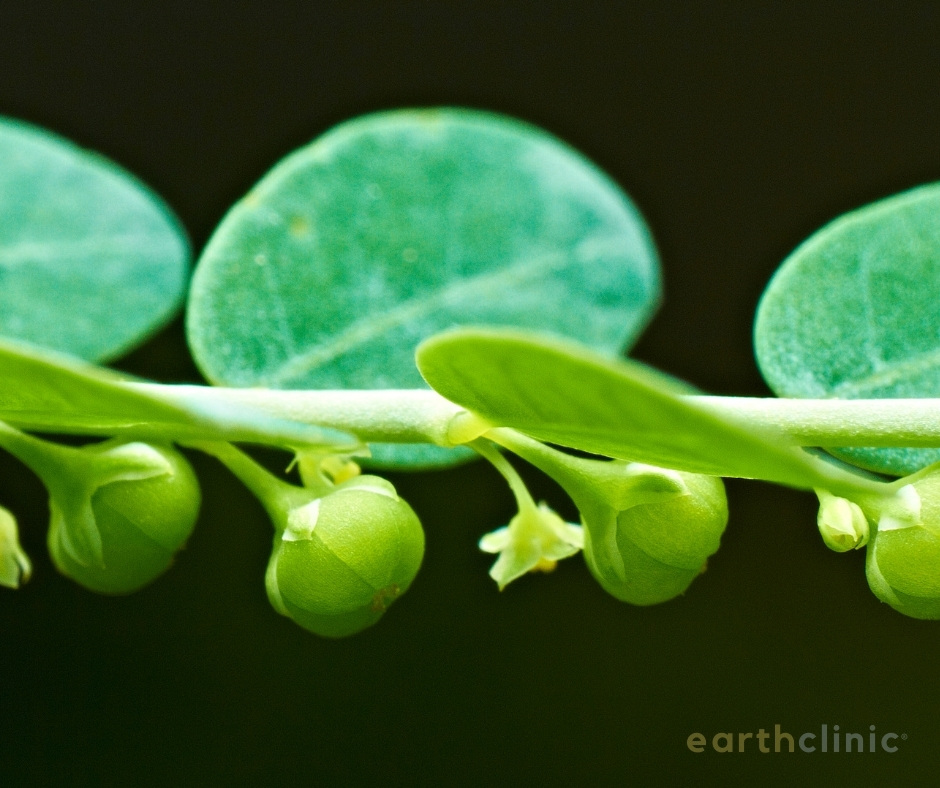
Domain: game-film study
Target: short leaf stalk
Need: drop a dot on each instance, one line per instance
(276, 495)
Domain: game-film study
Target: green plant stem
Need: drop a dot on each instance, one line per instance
(47, 460)
(276, 495)
(375, 416)
(906, 423)
(513, 479)
(422, 416)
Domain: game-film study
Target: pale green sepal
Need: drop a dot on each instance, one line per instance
(320, 469)
(495, 541)
(600, 538)
(601, 490)
(301, 522)
(270, 583)
(73, 475)
(842, 524)
(15, 566)
(880, 587)
(620, 485)
(369, 483)
(72, 517)
(375, 490)
(641, 483)
(900, 511)
(72, 525)
(534, 540)
(903, 562)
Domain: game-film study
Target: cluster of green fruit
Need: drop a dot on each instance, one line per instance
(120, 511)
(346, 545)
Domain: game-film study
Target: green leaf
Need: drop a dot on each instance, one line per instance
(45, 391)
(563, 393)
(397, 225)
(91, 261)
(852, 314)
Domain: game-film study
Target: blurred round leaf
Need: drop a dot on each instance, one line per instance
(396, 225)
(91, 261)
(853, 314)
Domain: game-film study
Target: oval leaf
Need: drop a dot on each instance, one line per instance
(397, 225)
(852, 314)
(563, 393)
(91, 262)
(45, 391)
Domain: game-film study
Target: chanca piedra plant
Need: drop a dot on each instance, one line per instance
(416, 287)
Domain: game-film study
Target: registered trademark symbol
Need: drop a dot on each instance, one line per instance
(904, 736)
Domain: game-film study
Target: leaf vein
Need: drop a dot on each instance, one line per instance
(887, 373)
(373, 326)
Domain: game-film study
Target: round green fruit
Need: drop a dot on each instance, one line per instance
(903, 565)
(656, 550)
(142, 524)
(345, 557)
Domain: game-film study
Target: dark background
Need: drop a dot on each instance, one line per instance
(739, 128)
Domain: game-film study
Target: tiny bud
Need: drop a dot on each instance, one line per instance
(15, 566)
(319, 468)
(842, 524)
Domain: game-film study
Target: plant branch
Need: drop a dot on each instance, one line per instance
(422, 416)
(907, 423)
(375, 416)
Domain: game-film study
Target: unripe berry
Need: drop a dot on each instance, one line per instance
(342, 559)
(142, 523)
(903, 564)
(651, 552)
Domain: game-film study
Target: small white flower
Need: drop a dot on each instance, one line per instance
(534, 541)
